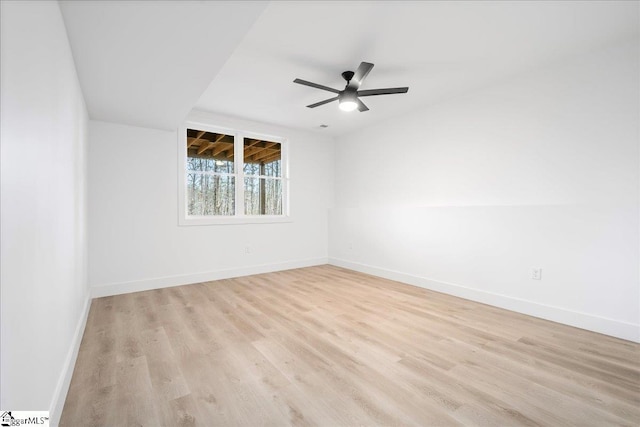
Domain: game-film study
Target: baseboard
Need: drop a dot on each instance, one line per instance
(60, 395)
(603, 325)
(98, 291)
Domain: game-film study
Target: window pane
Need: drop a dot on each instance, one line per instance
(273, 168)
(210, 194)
(262, 196)
(209, 151)
(262, 157)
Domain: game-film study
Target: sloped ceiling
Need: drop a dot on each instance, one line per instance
(146, 63)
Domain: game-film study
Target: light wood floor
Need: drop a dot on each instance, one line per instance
(330, 347)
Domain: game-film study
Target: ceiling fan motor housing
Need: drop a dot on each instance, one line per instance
(348, 94)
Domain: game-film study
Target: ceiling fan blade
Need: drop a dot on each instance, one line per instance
(317, 86)
(361, 107)
(326, 101)
(389, 91)
(363, 70)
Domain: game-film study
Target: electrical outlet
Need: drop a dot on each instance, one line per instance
(350, 246)
(536, 273)
(247, 249)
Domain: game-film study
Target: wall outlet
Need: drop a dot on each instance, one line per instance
(350, 246)
(247, 249)
(536, 273)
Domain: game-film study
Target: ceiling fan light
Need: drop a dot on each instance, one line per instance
(348, 105)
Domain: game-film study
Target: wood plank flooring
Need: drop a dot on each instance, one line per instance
(330, 347)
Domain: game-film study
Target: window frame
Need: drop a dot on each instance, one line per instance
(239, 176)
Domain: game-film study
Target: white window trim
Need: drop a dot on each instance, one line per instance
(239, 217)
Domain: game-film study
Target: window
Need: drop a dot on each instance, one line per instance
(210, 174)
(262, 177)
(230, 176)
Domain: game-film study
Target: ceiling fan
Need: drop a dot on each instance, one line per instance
(349, 97)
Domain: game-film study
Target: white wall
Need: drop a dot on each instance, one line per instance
(135, 241)
(538, 171)
(43, 211)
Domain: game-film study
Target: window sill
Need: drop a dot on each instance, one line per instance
(205, 220)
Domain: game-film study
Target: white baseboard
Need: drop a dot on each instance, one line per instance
(109, 289)
(603, 325)
(60, 394)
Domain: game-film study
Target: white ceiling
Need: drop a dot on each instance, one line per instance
(147, 63)
(438, 49)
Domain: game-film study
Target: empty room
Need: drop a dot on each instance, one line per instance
(320, 213)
